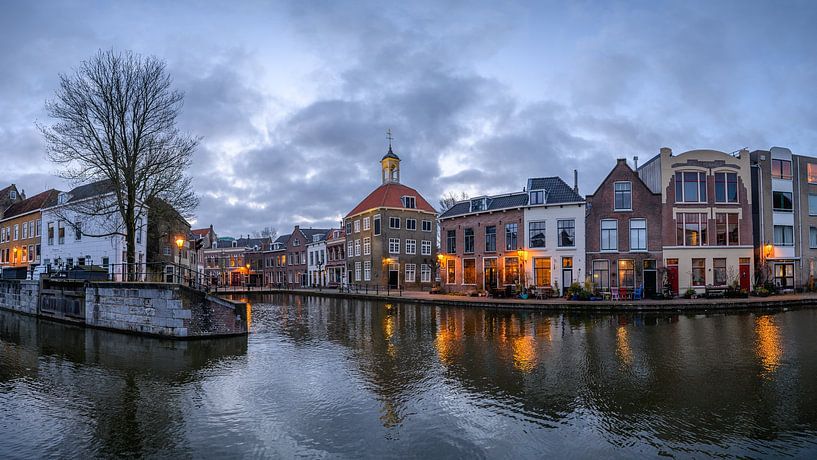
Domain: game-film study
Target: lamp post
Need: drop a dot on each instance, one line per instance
(248, 276)
(522, 256)
(180, 244)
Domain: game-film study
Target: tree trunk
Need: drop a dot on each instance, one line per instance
(130, 239)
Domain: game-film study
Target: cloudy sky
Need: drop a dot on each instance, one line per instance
(293, 99)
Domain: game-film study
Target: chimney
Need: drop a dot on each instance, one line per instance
(576, 180)
(635, 160)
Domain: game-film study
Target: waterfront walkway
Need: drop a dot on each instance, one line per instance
(700, 304)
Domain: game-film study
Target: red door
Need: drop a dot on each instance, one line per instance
(744, 273)
(672, 275)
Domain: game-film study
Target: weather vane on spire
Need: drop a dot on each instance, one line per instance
(389, 137)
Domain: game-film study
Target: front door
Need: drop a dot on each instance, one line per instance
(744, 273)
(672, 275)
(650, 278)
(394, 276)
(489, 274)
(567, 273)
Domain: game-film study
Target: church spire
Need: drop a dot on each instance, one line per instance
(390, 163)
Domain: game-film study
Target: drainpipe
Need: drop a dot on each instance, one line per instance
(798, 216)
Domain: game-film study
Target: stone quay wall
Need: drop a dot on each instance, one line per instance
(159, 309)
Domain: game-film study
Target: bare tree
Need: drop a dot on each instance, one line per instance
(114, 122)
(450, 199)
(267, 232)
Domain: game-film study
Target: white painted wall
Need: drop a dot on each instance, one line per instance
(551, 214)
(314, 251)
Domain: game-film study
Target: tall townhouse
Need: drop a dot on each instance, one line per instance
(391, 234)
(275, 262)
(73, 238)
(624, 237)
(203, 239)
(784, 205)
(167, 261)
(225, 261)
(554, 242)
(8, 196)
(706, 217)
(297, 268)
(336, 258)
(482, 241)
(20, 235)
(316, 265)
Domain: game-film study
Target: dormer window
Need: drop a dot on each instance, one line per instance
(62, 198)
(13, 194)
(316, 238)
(537, 197)
(478, 205)
(409, 202)
(296, 242)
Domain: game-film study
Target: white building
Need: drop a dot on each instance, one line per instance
(554, 233)
(70, 236)
(316, 260)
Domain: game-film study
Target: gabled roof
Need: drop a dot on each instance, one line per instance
(200, 231)
(557, 191)
(389, 196)
(251, 242)
(622, 161)
(97, 188)
(310, 233)
(495, 203)
(283, 239)
(38, 201)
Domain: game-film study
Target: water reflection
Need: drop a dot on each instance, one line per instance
(623, 346)
(769, 348)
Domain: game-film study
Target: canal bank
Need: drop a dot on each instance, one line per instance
(152, 309)
(557, 305)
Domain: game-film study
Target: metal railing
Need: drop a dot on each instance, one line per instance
(154, 272)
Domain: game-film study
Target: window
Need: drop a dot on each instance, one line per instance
(394, 245)
(623, 196)
(166, 250)
(719, 272)
(16, 232)
(60, 232)
(781, 169)
(478, 205)
(367, 223)
(783, 235)
(511, 270)
(490, 238)
(726, 187)
(426, 225)
(626, 273)
(411, 246)
(812, 205)
(394, 222)
(691, 229)
(425, 248)
(609, 235)
(357, 226)
(469, 241)
(726, 229)
(411, 224)
(138, 230)
(601, 274)
(699, 272)
(511, 236)
(357, 272)
(567, 233)
(781, 201)
(469, 271)
(367, 270)
(25, 231)
(812, 237)
(451, 271)
(410, 273)
(78, 231)
(425, 273)
(348, 227)
(377, 224)
(367, 246)
(357, 248)
(812, 173)
(541, 271)
(537, 197)
(451, 241)
(350, 248)
(638, 234)
(690, 187)
(409, 202)
(784, 275)
(536, 234)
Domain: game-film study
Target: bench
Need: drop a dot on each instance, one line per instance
(715, 291)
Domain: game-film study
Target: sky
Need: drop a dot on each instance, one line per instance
(293, 99)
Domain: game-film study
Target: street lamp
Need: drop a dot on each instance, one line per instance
(180, 244)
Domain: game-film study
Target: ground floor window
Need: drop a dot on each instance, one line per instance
(425, 273)
(541, 271)
(410, 270)
(490, 272)
(367, 270)
(699, 272)
(357, 272)
(511, 270)
(784, 275)
(601, 274)
(719, 272)
(451, 271)
(469, 271)
(626, 273)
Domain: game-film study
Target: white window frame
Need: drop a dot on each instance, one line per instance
(392, 220)
(630, 184)
(425, 273)
(367, 246)
(410, 269)
(357, 226)
(646, 240)
(411, 246)
(425, 247)
(614, 248)
(367, 270)
(367, 223)
(424, 225)
(394, 245)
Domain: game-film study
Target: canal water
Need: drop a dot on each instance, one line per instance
(321, 377)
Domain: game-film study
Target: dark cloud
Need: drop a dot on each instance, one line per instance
(293, 103)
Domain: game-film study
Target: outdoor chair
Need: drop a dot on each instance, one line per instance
(638, 293)
(614, 294)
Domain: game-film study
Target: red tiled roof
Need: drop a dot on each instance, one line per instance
(38, 201)
(389, 196)
(201, 231)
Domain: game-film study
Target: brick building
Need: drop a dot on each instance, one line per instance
(391, 234)
(623, 233)
(336, 258)
(21, 235)
(481, 239)
(297, 267)
(275, 262)
(706, 217)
